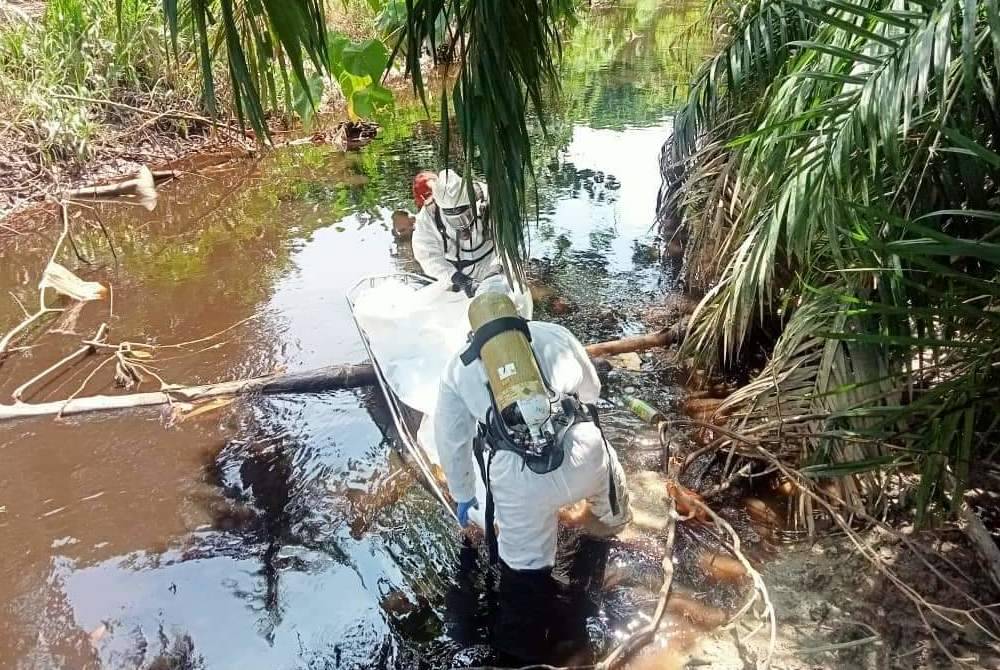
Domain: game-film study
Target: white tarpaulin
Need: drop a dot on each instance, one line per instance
(413, 332)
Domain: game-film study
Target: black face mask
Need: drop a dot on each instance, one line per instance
(460, 219)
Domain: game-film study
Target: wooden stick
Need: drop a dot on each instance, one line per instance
(65, 361)
(9, 337)
(314, 381)
(841, 645)
(143, 184)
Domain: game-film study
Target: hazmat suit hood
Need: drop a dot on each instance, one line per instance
(451, 195)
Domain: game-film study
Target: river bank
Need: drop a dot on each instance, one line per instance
(86, 106)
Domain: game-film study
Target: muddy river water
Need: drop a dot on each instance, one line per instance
(282, 532)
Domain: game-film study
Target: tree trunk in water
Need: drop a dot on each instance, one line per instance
(330, 378)
(314, 381)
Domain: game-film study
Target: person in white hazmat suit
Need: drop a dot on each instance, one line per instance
(539, 452)
(452, 238)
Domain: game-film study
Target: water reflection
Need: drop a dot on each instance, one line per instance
(629, 62)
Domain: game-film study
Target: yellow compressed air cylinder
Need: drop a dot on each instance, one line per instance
(511, 368)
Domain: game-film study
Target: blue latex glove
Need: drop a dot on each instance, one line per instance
(462, 511)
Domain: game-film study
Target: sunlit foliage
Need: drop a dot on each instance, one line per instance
(836, 172)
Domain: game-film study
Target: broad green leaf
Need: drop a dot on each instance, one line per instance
(365, 59)
(305, 100)
(371, 99)
(335, 45)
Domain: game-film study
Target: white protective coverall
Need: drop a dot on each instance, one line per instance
(439, 247)
(527, 504)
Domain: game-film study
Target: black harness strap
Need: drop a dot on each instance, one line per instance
(460, 264)
(484, 469)
(612, 488)
(482, 244)
(439, 224)
(488, 331)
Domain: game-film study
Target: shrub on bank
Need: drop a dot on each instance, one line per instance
(835, 171)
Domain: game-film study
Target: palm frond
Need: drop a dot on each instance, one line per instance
(509, 51)
(867, 177)
(257, 39)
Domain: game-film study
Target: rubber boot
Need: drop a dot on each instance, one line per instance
(525, 601)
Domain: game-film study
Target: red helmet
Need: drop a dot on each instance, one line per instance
(422, 187)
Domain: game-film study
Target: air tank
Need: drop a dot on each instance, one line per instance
(511, 369)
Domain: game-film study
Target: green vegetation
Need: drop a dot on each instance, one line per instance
(836, 171)
(87, 73)
(78, 50)
(356, 67)
(277, 54)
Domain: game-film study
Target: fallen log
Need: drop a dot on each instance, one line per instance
(661, 338)
(313, 381)
(324, 379)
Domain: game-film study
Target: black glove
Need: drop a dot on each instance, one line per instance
(463, 282)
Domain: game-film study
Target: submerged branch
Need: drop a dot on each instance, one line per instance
(9, 337)
(68, 360)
